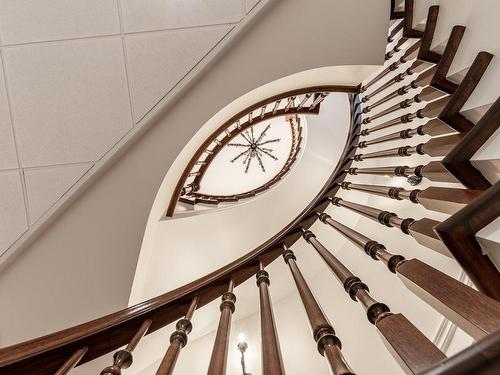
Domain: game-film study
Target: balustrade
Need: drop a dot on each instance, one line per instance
(471, 208)
(421, 230)
(472, 311)
(412, 349)
(329, 344)
(441, 199)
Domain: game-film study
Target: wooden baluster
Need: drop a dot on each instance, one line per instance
(474, 312)
(433, 128)
(218, 359)
(421, 230)
(458, 160)
(72, 361)
(318, 99)
(272, 363)
(447, 200)
(413, 351)
(122, 359)
(178, 340)
(409, 55)
(431, 110)
(420, 50)
(424, 79)
(439, 146)
(419, 82)
(303, 101)
(396, 48)
(329, 344)
(433, 171)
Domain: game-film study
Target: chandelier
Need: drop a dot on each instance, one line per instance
(255, 147)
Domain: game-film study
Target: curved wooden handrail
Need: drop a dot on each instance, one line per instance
(196, 156)
(46, 354)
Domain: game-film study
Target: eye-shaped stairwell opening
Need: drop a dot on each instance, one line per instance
(382, 250)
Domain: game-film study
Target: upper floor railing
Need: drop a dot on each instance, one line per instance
(472, 207)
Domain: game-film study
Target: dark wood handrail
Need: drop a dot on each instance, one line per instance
(46, 354)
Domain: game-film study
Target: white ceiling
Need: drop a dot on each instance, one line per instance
(77, 77)
(224, 177)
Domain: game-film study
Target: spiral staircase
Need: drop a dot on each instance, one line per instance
(419, 141)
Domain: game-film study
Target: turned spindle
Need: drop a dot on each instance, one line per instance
(421, 230)
(122, 359)
(434, 127)
(441, 199)
(328, 343)
(427, 94)
(178, 340)
(439, 146)
(433, 171)
(272, 362)
(431, 110)
(411, 348)
(72, 361)
(218, 360)
(474, 312)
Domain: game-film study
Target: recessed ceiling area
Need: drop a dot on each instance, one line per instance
(239, 168)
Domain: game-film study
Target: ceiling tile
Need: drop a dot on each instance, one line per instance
(24, 21)
(8, 157)
(69, 100)
(13, 215)
(158, 61)
(46, 186)
(140, 15)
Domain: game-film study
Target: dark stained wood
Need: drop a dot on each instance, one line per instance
(123, 359)
(232, 120)
(71, 362)
(425, 52)
(451, 112)
(458, 160)
(218, 360)
(458, 233)
(396, 15)
(423, 232)
(440, 79)
(413, 351)
(446, 200)
(178, 340)
(472, 311)
(482, 357)
(422, 80)
(430, 110)
(410, 347)
(477, 314)
(409, 54)
(272, 362)
(323, 333)
(441, 146)
(433, 171)
(441, 199)
(408, 30)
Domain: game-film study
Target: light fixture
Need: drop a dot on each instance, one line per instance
(242, 346)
